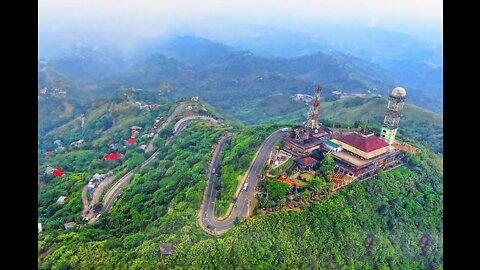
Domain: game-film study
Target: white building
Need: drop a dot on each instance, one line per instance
(61, 200)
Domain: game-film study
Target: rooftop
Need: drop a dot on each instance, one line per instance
(366, 143)
(167, 249)
(310, 142)
(286, 180)
(306, 161)
(331, 144)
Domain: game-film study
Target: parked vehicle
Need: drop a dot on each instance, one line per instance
(245, 187)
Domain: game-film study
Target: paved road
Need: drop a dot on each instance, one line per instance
(210, 223)
(116, 189)
(181, 122)
(180, 108)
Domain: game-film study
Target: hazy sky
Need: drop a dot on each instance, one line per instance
(157, 12)
(150, 17)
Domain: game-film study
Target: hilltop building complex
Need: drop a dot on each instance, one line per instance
(357, 154)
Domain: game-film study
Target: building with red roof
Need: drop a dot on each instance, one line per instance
(364, 145)
(112, 156)
(286, 180)
(362, 154)
(306, 162)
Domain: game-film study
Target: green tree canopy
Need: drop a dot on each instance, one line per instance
(276, 189)
(326, 169)
(317, 184)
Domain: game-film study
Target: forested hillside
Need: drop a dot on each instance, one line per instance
(392, 221)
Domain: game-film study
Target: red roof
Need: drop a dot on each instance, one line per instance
(112, 156)
(131, 140)
(365, 143)
(58, 173)
(286, 180)
(307, 161)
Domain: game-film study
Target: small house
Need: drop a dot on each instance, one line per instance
(40, 228)
(61, 200)
(49, 170)
(143, 147)
(97, 177)
(306, 163)
(167, 249)
(77, 143)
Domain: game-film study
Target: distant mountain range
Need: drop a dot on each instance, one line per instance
(246, 86)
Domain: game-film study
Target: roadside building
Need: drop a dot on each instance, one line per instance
(98, 177)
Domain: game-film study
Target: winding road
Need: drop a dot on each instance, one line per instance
(180, 108)
(207, 218)
(112, 194)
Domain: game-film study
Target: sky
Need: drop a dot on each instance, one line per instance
(156, 17)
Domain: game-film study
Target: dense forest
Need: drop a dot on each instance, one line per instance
(392, 221)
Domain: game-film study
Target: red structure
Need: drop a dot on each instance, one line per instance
(364, 143)
(306, 162)
(131, 140)
(286, 180)
(112, 156)
(313, 116)
(58, 173)
(307, 138)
